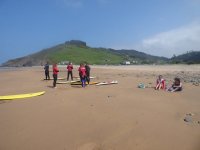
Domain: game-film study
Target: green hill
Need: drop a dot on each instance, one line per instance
(81, 54)
(192, 57)
(140, 57)
(77, 52)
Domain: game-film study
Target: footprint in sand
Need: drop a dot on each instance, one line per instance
(93, 146)
(88, 146)
(192, 118)
(1, 102)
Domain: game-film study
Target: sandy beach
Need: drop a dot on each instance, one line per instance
(110, 117)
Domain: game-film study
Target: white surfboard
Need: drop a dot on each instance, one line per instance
(107, 83)
(67, 82)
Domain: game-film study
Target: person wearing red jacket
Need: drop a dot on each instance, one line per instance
(55, 75)
(69, 71)
(82, 74)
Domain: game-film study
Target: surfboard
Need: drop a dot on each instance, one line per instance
(79, 78)
(107, 83)
(79, 83)
(66, 82)
(18, 96)
(57, 79)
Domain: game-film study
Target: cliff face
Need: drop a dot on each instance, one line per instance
(76, 43)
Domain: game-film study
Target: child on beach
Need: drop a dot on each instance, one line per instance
(87, 67)
(82, 74)
(69, 71)
(46, 69)
(160, 83)
(176, 86)
(55, 75)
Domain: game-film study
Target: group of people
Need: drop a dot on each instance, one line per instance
(176, 86)
(84, 73)
(55, 73)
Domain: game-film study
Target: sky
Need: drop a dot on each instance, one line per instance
(157, 27)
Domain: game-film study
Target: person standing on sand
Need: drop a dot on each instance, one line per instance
(82, 74)
(46, 69)
(55, 75)
(87, 67)
(69, 71)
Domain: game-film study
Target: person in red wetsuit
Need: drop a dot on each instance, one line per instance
(82, 74)
(69, 71)
(55, 75)
(160, 83)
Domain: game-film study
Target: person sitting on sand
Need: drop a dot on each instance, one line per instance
(82, 74)
(69, 71)
(160, 83)
(176, 86)
(55, 75)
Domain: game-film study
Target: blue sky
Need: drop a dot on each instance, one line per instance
(157, 27)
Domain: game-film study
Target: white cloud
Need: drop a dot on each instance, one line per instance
(176, 41)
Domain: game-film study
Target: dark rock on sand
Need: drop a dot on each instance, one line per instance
(188, 118)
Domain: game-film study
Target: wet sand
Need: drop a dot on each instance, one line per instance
(111, 117)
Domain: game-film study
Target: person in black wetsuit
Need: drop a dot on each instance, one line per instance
(176, 86)
(87, 67)
(46, 69)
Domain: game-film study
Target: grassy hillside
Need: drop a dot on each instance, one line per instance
(78, 51)
(192, 57)
(140, 57)
(81, 54)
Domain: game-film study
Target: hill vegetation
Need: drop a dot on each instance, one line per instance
(78, 52)
(192, 57)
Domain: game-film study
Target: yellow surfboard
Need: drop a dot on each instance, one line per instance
(12, 97)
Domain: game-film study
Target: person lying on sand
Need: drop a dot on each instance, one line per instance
(160, 83)
(176, 86)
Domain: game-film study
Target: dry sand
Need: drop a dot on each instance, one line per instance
(112, 117)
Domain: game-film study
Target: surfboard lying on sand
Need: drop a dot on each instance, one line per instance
(57, 79)
(66, 82)
(79, 78)
(107, 83)
(12, 97)
(79, 83)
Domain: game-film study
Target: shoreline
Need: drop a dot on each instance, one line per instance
(178, 67)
